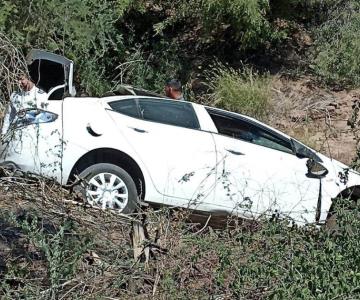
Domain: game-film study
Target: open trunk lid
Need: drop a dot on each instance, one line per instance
(48, 71)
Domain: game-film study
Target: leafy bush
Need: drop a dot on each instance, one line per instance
(243, 91)
(309, 11)
(81, 30)
(248, 21)
(246, 17)
(337, 57)
(59, 247)
(62, 252)
(268, 260)
(149, 70)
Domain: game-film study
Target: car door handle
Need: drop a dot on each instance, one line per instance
(234, 152)
(138, 130)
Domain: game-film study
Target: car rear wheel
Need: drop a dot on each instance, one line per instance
(109, 186)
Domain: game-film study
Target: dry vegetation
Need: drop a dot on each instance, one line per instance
(12, 64)
(52, 246)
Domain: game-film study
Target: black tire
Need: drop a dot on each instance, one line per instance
(94, 170)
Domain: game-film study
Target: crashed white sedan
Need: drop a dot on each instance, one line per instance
(167, 152)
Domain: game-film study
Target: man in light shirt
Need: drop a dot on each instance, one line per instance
(30, 96)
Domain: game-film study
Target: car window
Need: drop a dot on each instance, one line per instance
(244, 130)
(170, 112)
(127, 107)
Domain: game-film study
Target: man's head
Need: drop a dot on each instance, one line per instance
(173, 89)
(25, 83)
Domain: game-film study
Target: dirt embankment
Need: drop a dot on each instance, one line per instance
(316, 116)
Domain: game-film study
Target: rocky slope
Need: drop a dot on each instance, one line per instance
(316, 116)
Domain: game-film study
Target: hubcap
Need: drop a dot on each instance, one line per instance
(107, 190)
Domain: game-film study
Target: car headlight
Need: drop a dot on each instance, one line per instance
(33, 116)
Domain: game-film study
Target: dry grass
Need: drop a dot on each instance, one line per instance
(42, 222)
(54, 247)
(12, 64)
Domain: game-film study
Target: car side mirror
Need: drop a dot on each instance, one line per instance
(315, 169)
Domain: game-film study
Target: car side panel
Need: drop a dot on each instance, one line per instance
(82, 113)
(179, 160)
(256, 181)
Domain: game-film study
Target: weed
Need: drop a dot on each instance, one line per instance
(244, 91)
(59, 247)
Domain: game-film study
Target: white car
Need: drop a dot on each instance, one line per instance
(168, 152)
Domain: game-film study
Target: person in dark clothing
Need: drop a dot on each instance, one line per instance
(173, 89)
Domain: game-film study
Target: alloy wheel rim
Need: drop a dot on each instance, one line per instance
(107, 190)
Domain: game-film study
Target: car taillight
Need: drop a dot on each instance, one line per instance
(33, 116)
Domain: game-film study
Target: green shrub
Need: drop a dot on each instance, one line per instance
(247, 21)
(243, 91)
(266, 259)
(309, 11)
(271, 260)
(149, 70)
(59, 249)
(62, 251)
(83, 30)
(337, 54)
(246, 17)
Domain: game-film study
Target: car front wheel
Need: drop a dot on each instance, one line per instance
(109, 186)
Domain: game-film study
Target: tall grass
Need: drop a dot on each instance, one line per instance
(243, 91)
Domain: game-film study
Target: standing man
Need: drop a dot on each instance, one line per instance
(173, 89)
(29, 96)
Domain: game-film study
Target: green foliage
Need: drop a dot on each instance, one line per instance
(337, 57)
(246, 17)
(309, 11)
(159, 39)
(149, 70)
(82, 30)
(62, 249)
(247, 21)
(266, 259)
(62, 253)
(244, 91)
(7, 8)
(274, 260)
